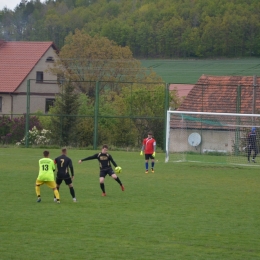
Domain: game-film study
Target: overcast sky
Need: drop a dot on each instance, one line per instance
(10, 4)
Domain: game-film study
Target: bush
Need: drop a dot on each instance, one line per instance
(37, 137)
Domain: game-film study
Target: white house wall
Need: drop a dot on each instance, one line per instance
(219, 141)
(6, 103)
(37, 103)
(39, 91)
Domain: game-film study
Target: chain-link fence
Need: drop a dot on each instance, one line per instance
(88, 114)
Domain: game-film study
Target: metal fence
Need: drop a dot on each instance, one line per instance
(88, 114)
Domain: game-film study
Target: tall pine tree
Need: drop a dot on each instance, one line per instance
(64, 119)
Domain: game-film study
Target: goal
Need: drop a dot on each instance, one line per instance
(210, 137)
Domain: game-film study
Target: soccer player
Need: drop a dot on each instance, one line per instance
(64, 165)
(46, 176)
(252, 145)
(149, 146)
(105, 160)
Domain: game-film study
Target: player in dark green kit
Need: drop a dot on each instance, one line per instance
(105, 161)
(64, 169)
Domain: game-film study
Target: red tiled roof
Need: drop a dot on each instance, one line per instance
(17, 59)
(219, 94)
(181, 89)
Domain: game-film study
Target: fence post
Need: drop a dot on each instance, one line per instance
(166, 107)
(254, 97)
(27, 114)
(96, 116)
(238, 110)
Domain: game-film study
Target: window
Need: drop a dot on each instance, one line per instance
(39, 76)
(50, 59)
(49, 102)
(1, 99)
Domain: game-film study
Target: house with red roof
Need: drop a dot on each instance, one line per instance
(224, 94)
(182, 90)
(217, 94)
(22, 61)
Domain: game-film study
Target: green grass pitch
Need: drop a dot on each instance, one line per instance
(182, 211)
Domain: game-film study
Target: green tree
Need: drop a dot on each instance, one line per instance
(85, 122)
(144, 104)
(64, 116)
(118, 31)
(150, 28)
(90, 59)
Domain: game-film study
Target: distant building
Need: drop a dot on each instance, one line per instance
(182, 90)
(217, 94)
(224, 94)
(20, 61)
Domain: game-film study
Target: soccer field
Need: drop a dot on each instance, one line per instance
(182, 211)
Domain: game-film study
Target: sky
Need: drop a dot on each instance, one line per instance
(10, 4)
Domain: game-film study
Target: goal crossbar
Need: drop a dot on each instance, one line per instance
(211, 113)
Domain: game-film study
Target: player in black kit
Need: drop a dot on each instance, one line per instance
(64, 165)
(105, 160)
(252, 145)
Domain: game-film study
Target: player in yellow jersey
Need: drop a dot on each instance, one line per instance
(46, 176)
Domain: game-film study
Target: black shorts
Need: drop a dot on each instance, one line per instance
(104, 172)
(68, 181)
(147, 156)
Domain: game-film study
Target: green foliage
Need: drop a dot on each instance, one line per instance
(64, 120)
(92, 59)
(86, 106)
(102, 73)
(120, 132)
(152, 29)
(85, 130)
(145, 105)
(117, 31)
(85, 123)
(44, 119)
(124, 117)
(5, 125)
(125, 134)
(12, 129)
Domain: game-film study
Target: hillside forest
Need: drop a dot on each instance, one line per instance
(150, 28)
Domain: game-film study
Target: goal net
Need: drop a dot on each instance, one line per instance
(211, 137)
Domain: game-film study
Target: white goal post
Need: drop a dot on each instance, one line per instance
(210, 137)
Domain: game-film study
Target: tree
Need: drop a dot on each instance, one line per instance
(90, 59)
(118, 31)
(97, 66)
(64, 115)
(144, 105)
(150, 28)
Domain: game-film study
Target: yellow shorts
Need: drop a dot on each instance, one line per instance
(51, 184)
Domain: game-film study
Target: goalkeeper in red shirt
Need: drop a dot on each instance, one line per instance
(149, 145)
